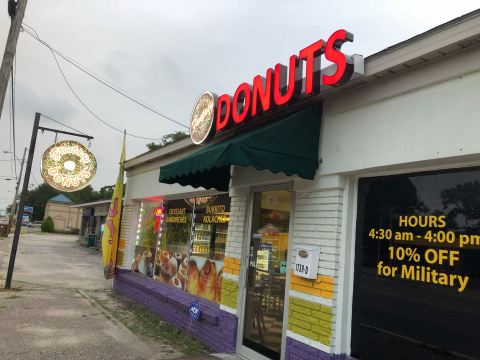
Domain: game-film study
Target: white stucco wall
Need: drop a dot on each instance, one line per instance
(427, 117)
(146, 184)
(400, 122)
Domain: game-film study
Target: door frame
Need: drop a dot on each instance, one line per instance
(243, 350)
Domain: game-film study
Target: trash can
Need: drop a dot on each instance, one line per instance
(91, 240)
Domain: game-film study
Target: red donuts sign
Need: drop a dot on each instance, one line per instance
(279, 87)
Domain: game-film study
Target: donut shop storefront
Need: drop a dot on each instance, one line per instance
(321, 222)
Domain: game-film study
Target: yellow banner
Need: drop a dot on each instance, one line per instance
(111, 231)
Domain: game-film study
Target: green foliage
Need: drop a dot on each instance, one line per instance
(47, 225)
(106, 192)
(38, 197)
(148, 237)
(167, 139)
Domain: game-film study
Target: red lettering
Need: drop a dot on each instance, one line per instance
(262, 90)
(311, 54)
(344, 64)
(241, 102)
(223, 112)
(280, 95)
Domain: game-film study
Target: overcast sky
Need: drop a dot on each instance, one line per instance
(167, 53)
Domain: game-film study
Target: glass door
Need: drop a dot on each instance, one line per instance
(266, 274)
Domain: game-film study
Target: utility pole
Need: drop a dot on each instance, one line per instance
(16, 10)
(14, 203)
(18, 225)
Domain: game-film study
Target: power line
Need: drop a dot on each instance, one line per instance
(99, 78)
(59, 122)
(12, 159)
(14, 75)
(90, 110)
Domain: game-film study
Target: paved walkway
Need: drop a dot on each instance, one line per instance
(49, 315)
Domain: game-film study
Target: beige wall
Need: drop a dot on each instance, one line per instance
(64, 217)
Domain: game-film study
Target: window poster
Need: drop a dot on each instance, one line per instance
(212, 215)
(204, 278)
(171, 260)
(182, 243)
(417, 266)
(146, 239)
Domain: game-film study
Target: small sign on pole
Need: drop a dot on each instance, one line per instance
(195, 310)
(28, 209)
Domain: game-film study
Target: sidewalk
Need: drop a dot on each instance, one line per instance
(61, 307)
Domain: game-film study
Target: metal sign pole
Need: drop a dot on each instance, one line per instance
(23, 195)
(26, 180)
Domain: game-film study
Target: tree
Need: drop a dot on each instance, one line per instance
(463, 200)
(106, 192)
(167, 139)
(87, 194)
(48, 225)
(38, 197)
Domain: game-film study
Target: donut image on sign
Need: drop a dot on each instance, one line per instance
(68, 166)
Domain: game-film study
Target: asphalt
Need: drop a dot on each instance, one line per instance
(48, 313)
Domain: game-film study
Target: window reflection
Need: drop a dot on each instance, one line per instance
(267, 272)
(425, 314)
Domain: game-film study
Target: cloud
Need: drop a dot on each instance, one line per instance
(167, 53)
(28, 102)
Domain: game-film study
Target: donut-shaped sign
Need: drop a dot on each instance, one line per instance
(68, 166)
(202, 123)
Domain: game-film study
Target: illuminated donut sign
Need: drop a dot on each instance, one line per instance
(68, 166)
(280, 87)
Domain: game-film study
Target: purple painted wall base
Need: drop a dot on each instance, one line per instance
(216, 328)
(296, 350)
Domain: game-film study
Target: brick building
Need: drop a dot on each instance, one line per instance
(391, 211)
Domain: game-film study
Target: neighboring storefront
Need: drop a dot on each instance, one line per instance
(93, 217)
(65, 218)
(345, 224)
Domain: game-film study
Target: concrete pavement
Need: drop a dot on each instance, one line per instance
(49, 315)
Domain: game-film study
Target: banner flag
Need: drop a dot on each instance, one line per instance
(111, 232)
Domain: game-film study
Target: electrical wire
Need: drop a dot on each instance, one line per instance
(59, 122)
(90, 110)
(14, 76)
(32, 174)
(12, 159)
(99, 78)
(34, 178)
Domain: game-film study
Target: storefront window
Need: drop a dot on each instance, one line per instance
(171, 260)
(182, 243)
(205, 266)
(146, 239)
(417, 267)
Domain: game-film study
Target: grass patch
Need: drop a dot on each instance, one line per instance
(143, 322)
(13, 296)
(17, 288)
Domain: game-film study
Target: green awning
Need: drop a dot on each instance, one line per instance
(289, 145)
